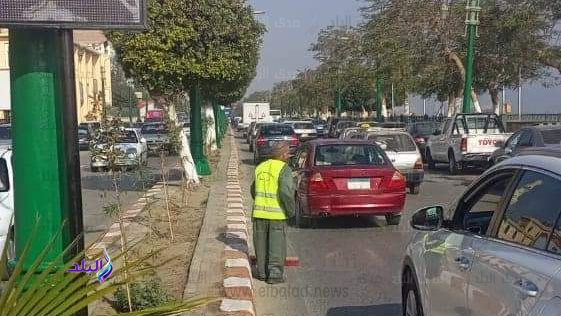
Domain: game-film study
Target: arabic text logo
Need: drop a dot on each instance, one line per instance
(105, 273)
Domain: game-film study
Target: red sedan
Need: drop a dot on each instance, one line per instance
(341, 177)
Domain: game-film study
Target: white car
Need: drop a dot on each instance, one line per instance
(304, 129)
(133, 149)
(6, 204)
(404, 155)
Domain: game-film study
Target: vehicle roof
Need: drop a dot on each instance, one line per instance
(542, 158)
(543, 127)
(336, 141)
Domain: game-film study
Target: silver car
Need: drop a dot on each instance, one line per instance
(495, 251)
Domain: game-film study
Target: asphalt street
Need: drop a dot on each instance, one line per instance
(98, 191)
(348, 266)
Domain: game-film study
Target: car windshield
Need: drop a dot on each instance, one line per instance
(349, 155)
(276, 130)
(5, 132)
(83, 132)
(127, 137)
(478, 124)
(551, 136)
(153, 129)
(424, 129)
(395, 142)
(303, 125)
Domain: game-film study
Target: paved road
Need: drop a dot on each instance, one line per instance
(348, 266)
(97, 191)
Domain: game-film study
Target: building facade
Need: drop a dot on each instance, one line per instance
(92, 62)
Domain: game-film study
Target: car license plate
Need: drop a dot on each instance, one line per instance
(358, 184)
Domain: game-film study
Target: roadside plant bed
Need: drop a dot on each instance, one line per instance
(150, 231)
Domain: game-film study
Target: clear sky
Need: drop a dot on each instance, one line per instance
(293, 25)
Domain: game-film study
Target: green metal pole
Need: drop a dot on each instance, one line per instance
(338, 103)
(467, 105)
(379, 96)
(216, 110)
(201, 162)
(44, 173)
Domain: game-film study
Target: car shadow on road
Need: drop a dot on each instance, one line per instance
(345, 222)
(371, 310)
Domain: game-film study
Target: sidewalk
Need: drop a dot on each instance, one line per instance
(206, 270)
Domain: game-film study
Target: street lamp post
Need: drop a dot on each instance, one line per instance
(472, 22)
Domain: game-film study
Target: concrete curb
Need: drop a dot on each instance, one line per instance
(238, 282)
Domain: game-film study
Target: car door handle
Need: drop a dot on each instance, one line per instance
(527, 288)
(462, 262)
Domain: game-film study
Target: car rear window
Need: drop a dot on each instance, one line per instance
(154, 129)
(349, 155)
(277, 130)
(396, 142)
(552, 136)
(303, 126)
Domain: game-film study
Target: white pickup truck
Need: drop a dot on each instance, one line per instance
(465, 139)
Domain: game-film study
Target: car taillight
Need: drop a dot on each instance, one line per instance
(464, 144)
(397, 183)
(261, 141)
(419, 164)
(317, 183)
(294, 141)
(420, 140)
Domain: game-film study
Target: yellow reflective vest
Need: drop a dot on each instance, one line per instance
(266, 204)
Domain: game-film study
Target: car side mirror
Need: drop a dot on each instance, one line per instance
(428, 219)
(437, 132)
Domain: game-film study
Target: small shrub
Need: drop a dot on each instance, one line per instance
(144, 294)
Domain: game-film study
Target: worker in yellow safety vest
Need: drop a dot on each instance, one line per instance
(273, 193)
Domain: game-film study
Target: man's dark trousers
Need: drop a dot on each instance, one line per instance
(269, 241)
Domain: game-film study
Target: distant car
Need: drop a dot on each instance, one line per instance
(321, 127)
(132, 152)
(91, 126)
(5, 135)
(156, 136)
(495, 251)
(404, 155)
(528, 137)
(304, 129)
(83, 138)
(268, 135)
(421, 132)
(252, 135)
(335, 132)
(338, 178)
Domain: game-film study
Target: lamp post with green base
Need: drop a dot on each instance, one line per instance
(472, 23)
(197, 150)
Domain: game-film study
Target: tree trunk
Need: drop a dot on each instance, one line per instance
(451, 104)
(187, 161)
(494, 92)
(384, 107)
(460, 65)
(210, 139)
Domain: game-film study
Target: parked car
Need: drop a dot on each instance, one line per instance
(6, 206)
(91, 126)
(495, 251)
(337, 178)
(156, 136)
(304, 129)
(268, 135)
(131, 148)
(404, 155)
(533, 136)
(83, 138)
(465, 139)
(421, 132)
(341, 126)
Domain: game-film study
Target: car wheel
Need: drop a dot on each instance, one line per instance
(414, 189)
(411, 300)
(430, 161)
(453, 168)
(393, 220)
